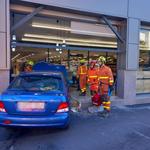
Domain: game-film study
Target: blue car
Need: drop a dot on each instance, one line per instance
(36, 99)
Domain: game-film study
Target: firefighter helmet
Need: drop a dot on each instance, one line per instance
(30, 62)
(102, 59)
(82, 61)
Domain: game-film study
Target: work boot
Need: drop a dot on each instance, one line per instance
(82, 94)
(104, 114)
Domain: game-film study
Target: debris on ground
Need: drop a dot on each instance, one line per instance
(95, 109)
(75, 106)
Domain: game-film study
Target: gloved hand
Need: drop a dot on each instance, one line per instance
(111, 87)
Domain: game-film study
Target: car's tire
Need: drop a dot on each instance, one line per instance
(10, 129)
(66, 127)
(6, 133)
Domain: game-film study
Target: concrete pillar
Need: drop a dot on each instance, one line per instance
(4, 44)
(128, 61)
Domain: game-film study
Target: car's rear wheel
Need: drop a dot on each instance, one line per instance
(66, 127)
(11, 129)
(6, 133)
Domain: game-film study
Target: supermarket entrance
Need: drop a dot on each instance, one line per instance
(60, 37)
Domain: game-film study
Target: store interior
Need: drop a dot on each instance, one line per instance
(59, 40)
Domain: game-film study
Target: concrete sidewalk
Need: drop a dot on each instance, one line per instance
(86, 100)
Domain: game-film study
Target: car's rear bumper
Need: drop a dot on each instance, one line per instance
(56, 120)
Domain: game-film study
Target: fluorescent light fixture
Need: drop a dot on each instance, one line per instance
(68, 39)
(91, 29)
(30, 55)
(92, 45)
(42, 36)
(75, 31)
(68, 43)
(40, 40)
(90, 41)
(92, 33)
(48, 26)
(15, 57)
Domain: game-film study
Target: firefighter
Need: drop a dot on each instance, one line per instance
(28, 66)
(82, 76)
(105, 84)
(92, 78)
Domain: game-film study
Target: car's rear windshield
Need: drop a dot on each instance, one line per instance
(37, 83)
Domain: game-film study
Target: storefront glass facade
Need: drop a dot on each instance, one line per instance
(143, 74)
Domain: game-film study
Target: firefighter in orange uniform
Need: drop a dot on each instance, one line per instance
(92, 78)
(105, 84)
(28, 66)
(82, 75)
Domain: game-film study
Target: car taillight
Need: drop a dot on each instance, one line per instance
(63, 107)
(2, 107)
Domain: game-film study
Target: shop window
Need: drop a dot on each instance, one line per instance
(143, 74)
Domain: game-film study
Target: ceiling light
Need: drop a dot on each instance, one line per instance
(69, 43)
(42, 36)
(69, 39)
(92, 33)
(13, 49)
(14, 37)
(91, 45)
(15, 57)
(64, 41)
(40, 40)
(48, 26)
(60, 52)
(26, 56)
(76, 31)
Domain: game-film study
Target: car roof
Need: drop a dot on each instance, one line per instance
(52, 73)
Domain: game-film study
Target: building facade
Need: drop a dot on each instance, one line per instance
(135, 21)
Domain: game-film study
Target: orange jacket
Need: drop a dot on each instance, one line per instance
(105, 75)
(92, 76)
(82, 71)
(28, 69)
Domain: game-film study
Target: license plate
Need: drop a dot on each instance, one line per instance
(31, 106)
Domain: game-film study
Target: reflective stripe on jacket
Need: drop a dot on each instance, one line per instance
(105, 78)
(82, 70)
(105, 75)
